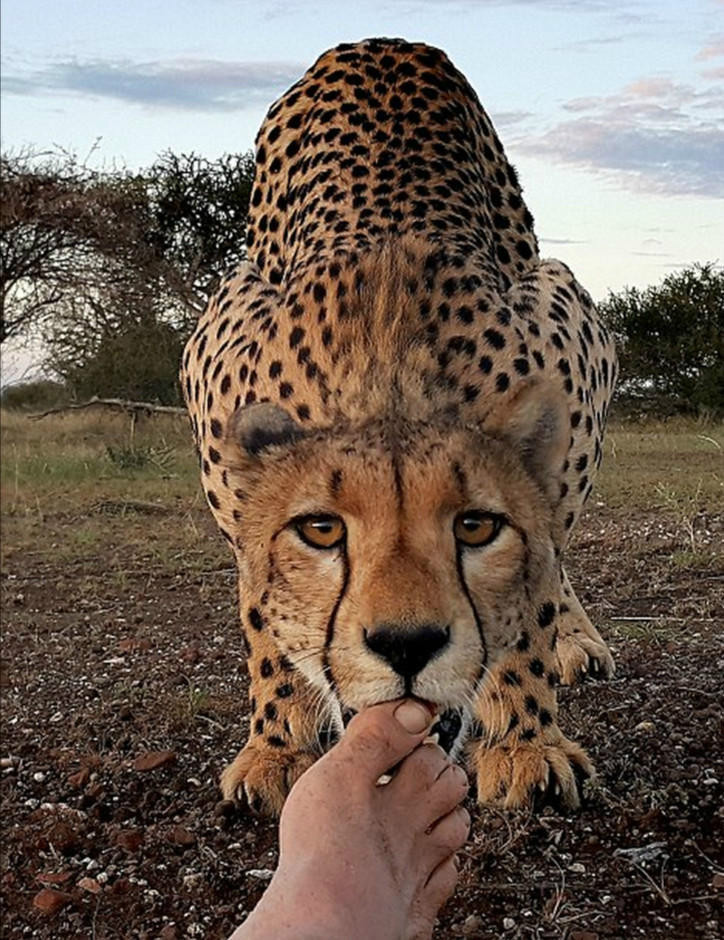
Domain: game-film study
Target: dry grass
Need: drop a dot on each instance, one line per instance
(85, 468)
(73, 482)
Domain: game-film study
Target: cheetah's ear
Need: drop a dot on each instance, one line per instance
(535, 421)
(263, 425)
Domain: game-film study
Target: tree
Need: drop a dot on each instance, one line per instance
(671, 338)
(197, 221)
(55, 215)
(181, 222)
(96, 261)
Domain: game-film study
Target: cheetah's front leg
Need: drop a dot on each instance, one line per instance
(284, 735)
(522, 752)
(580, 648)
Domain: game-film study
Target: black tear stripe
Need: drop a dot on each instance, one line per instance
(462, 482)
(399, 488)
(478, 622)
(326, 667)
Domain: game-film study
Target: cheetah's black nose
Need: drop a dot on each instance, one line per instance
(408, 650)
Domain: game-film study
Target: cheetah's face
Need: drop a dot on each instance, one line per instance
(390, 560)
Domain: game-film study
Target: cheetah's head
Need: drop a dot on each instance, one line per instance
(396, 557)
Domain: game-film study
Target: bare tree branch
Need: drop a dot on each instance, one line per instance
(116, 403)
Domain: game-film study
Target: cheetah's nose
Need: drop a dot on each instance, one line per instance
(407, 650)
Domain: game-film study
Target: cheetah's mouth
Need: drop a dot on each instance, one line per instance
(444, 732)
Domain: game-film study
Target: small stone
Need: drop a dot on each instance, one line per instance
(225, 808)
(645, 726)
(181, 836)
(63, 838)
(508, 923)
(129, 839)
(577, 868)
(39, 777)
(717, 881)
(191, 654)
(90, 885)
(262, 874)
(169, 932)
(121, 887)
(150, 760)
(472, 925)
(134, 644)
(79, 779)
(583, 935)
(50, 901)
(54, 878)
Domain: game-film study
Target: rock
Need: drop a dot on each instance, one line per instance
(717, 881)
(134, 644)
(120, 887)
(63, 838)
(54, 878)
(472, 925)
(643, 853)
(225, 808)
(90, 885)
(646, 726)
(150, 760)
(39, 777)
(508, 923)
(577, 868)
(191, 654)
(262, 874)
(50, 901)
(79, 779)
(181, 836)
(169, 932)
(129, 839)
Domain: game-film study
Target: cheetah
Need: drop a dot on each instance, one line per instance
(399, 410)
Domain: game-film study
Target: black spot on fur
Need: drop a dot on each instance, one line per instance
(546, 614)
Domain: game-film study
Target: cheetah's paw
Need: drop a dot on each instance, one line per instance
(580, 656)
(513, 776)
(262, 777)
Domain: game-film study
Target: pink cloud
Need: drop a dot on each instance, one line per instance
(714, 50)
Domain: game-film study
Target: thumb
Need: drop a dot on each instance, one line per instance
(381, 736)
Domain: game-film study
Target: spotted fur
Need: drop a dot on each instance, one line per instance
(395, 352)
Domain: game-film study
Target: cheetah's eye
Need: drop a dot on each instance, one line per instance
(321, 531)
(477, 528)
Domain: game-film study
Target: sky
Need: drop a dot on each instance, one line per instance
(611, 110)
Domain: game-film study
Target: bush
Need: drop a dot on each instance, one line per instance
(670, 340)
(37, 395)
(140, 362)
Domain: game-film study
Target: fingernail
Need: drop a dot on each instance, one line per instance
(413, 716)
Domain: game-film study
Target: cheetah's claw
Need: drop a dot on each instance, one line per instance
(261, 778)
(580, 656)
(513, 776)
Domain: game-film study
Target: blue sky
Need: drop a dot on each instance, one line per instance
(612, 110)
